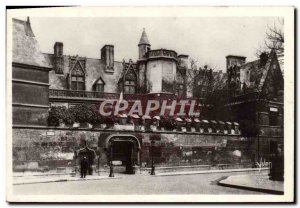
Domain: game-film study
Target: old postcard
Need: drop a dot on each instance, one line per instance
(150, 104)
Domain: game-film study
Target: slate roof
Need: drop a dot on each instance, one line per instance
(94, 69)
(144, 39)
(25, 48)
(258, 72)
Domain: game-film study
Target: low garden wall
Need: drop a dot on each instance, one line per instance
(41, 149)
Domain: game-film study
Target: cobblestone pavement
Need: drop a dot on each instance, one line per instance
(136, 184)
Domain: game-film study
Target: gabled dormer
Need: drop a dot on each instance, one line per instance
(128, 79)
(77, 73)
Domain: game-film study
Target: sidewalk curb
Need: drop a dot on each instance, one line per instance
(212, 171)
(65, 180)
(269, 191)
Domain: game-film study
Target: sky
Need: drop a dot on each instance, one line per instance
(206, 40)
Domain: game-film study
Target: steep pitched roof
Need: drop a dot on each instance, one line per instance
(144, 39)
(25, 48)
(94, 69)
(258, 71)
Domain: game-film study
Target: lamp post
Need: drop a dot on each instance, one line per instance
(111, 168)
(152, 154)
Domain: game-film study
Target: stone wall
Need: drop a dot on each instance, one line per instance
(51, 148)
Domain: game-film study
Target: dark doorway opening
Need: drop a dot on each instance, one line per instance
(124, 154)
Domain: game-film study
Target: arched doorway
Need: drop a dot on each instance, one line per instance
(124, 150)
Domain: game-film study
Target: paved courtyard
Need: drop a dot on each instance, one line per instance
(136, 184)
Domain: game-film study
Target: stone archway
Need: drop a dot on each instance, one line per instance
(124, 149)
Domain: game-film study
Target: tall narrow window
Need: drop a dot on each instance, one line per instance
(77, 78)
(273, 116)
(130, 82)
(180, 89)
(129, 86)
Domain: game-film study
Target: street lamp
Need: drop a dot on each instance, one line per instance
(152, 153)
(111, 168)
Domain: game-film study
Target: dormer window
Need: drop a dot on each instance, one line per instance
(77, 78)
(99, 85)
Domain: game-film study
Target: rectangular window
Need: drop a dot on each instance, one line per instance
(74, 86)
(80, 79)
(80, 86)
(273, 118)
(99, 88)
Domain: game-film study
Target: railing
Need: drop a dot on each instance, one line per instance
(161, 53)
(54, 93)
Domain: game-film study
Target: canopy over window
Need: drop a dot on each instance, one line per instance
(204, 121)
(221, 122)
(213, 121)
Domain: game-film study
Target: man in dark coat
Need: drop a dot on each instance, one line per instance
(83, 166)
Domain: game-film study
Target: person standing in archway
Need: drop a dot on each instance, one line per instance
(84, 167)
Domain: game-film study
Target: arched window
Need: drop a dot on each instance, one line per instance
(99, 85)
(77, 78)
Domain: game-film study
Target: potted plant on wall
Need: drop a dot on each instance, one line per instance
(108, 121)
(68, 118)
(82, 115)
(167, 123)
(56, 115)
(95, 117)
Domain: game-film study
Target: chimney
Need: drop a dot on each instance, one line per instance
(232, 60)
(58, 49)
(183, 60)
(107, 57)
(58, 57)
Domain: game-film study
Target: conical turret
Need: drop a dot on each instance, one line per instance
(144, 45)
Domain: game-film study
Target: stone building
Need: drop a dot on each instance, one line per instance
(255, 99)
(66, 80)
(29, 77)
(75, 79)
